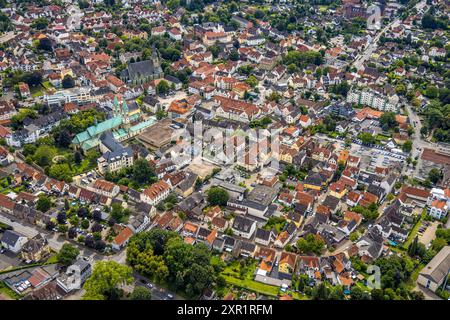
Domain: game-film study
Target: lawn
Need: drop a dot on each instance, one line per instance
(5, 290)
(414, 230)
(52, 259)
(47, 85)
(381, 137)
(37, 91)
(253, 285)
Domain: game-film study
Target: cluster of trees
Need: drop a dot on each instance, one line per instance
(297, 60)
(310, 244)
(395, 274)
(369, 213)
(388, 121)
(33, 78)
(40, 23)
(292, 172)
(5, 23)
(44, 203)
(217, 196)
(163, 256)
(429, 21)
(106, 280)
(442, 239)
(261, 123)
(67, 255)
(436, 116)
(341, 88)
(136, 176)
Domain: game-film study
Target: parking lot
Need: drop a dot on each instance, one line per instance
(427, 232)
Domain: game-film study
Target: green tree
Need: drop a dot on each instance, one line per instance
(407, 146)
(67, 255)
(388, 121)
(162, 87)
(311, 244)
(105, 281)
(217, 196)
(366, 138)
(68, 82)
(44, 203)
(40, 23)
(435, 175)
(141, 293)
(142, 171)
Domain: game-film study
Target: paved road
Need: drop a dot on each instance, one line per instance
(55, 240)
(158, 293)
(364, 56)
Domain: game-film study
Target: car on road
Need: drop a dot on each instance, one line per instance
(169, 296)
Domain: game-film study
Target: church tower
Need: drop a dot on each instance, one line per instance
(155, 58)
(116, 111)
(124, 112)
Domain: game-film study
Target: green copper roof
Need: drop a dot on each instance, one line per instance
(98, 129)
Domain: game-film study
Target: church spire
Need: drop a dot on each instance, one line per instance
(124, 107)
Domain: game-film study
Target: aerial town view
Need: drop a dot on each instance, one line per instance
(224, 150)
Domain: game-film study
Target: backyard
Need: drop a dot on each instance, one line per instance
(241, 275)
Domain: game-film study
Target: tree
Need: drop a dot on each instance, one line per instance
(311, 244)
(72, 233)
(142, 171)
(68, 82)
(407, 146)
(96, 227)
(61, 217)
(357, 293)
(162, 87)
(60, 171)
(82, 212)
(217, 196)
(45, 44)
(321, 292)
(67, 255)
(39, 23)
(189, 266)
(117, 212)
(105, 281)
(215, 50)
(44, 203)
(435, 175)
(366, 138)
(252, 81)
(388, 121)
(85, 224)
(141, 293)
(77, 157)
